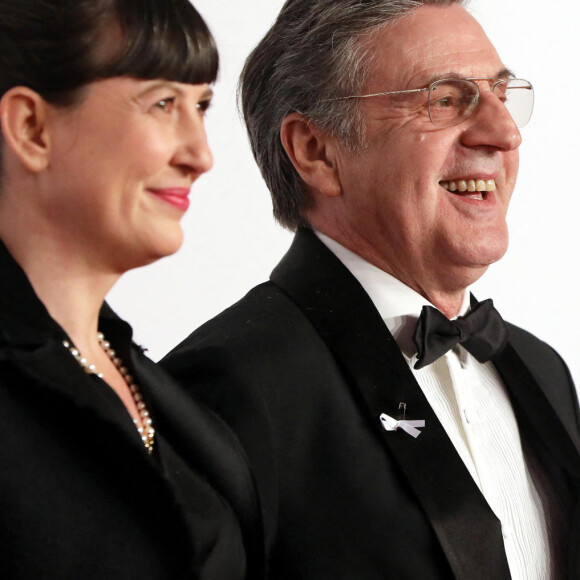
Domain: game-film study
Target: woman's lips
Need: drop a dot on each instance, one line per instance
(176, 196)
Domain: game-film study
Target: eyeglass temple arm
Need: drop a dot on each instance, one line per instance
(378, 94)
(529, 87)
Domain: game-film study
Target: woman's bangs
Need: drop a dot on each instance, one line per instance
(166, 40)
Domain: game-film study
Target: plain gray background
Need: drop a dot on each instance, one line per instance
(232, 242)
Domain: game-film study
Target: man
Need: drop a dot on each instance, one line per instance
(380, 452)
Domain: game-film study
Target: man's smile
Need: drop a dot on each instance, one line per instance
(478, 187)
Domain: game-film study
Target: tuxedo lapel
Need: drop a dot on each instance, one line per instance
(353, 330)
(534, 400)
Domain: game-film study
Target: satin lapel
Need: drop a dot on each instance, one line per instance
(205, 442)
(532, 399)
(345, 317)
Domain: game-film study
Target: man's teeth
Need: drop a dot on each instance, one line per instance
(469, 185)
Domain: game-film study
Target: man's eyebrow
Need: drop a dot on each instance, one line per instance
(505, 73)
(501, 74)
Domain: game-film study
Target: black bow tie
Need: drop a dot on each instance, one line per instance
(482, 332)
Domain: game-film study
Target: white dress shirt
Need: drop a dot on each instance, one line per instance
(472, 404)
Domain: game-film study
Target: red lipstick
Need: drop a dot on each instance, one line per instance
(176, 196)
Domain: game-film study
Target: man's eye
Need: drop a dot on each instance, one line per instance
(445, 102)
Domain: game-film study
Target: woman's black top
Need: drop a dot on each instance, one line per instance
(80, 497)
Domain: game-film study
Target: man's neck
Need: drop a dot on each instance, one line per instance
(445, 292)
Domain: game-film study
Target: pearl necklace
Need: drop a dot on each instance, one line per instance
(144, 424)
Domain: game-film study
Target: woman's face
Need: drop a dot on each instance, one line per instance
(122, 162)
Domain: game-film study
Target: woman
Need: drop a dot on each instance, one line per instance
(106, 470)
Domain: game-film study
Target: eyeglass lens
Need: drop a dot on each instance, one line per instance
(451, 101)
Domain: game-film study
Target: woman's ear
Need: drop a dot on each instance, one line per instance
(312, 153)
(23, 116)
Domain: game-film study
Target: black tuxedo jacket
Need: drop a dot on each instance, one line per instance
(302, 368)
(80, 498)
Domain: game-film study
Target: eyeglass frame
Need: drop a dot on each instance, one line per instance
(494, 82)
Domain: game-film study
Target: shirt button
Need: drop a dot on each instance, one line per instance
(506, 531)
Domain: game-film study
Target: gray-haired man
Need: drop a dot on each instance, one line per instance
(387, 132)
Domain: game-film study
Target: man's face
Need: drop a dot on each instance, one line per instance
(393, 209)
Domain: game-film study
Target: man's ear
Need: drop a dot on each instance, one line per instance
(312, 153)
(23, 115)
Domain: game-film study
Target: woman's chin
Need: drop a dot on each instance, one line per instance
(147, 253)
(168, 248)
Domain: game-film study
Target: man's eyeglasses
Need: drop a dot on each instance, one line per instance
(452, 101)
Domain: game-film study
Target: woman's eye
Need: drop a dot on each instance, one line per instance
(203, 106)
(165, 104)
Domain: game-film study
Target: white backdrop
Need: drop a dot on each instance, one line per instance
(232, 242)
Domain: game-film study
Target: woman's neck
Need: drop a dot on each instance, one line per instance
(71, 286)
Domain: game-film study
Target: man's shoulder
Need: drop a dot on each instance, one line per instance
(543, 361)
(265, 308)
(265, 321)
(529, 346)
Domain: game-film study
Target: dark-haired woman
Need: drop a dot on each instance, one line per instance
(106, 471)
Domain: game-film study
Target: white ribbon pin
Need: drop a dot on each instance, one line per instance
(410, 427)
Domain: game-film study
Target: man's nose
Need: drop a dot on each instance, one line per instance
(491, 125)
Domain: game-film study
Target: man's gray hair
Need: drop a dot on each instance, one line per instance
(315, 51)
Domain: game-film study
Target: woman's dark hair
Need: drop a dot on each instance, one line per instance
(55, 47)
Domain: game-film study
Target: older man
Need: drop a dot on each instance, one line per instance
(391, 439)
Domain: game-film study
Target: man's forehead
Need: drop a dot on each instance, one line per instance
(432, 42)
